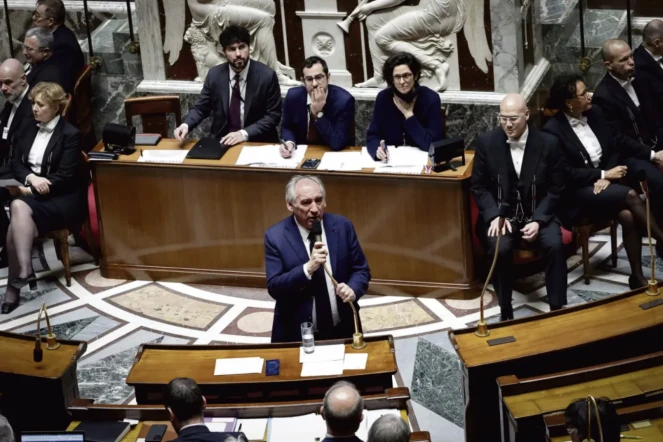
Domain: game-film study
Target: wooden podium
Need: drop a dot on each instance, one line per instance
(35, 395)
(156, 365)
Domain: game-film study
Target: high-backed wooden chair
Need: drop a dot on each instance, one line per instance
(66, 112)
(153, 112)
(583, 229)
(81, 112)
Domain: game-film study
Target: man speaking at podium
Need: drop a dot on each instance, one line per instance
(295, 254)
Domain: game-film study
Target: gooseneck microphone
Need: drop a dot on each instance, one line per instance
(38, 353)
(652, 286)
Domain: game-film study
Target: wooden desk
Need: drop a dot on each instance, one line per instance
(156, 365)
(582, 336)
(526, 401)
(44, 389)
(204, 221)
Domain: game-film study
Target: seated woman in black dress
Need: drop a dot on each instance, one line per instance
(576, 421)
(594, 170)
(46, 159)
(405, 114)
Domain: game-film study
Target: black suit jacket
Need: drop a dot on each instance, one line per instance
(623, 116)
(262, 103)
(342, 439)
(67, 52)
(23, 113)
(200, 433)
(542, 161)
(649, 72)
(49, 70)
(579, 170)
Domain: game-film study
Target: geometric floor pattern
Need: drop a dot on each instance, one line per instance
(115, 317)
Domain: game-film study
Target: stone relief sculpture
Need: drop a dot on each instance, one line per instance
(422, 30)
(210, 17)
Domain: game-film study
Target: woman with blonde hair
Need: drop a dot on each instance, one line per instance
(46, 159)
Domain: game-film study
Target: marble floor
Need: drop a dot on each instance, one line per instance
(115, 317)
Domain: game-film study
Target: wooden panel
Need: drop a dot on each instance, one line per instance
(212, 216)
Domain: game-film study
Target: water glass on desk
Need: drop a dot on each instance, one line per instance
(307, 337)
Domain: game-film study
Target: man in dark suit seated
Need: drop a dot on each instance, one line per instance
(185, 404)
(634, 121)
(648, 59)
(389, 428)
(318, 112)
(342, 409)
(518, 174)
(296, 279)
(17, 107)
(38, 51)
(243, 96)
(67, 53)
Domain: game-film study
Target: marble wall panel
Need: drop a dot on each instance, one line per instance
(505, 29)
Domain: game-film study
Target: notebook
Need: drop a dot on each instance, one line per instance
(103, 431)
(207, 149)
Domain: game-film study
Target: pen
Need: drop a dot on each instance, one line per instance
(141, 152)
(240, 427)
(286, 146)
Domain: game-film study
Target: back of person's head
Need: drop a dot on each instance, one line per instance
(184, 399)
(389, 428)
(54, 9)
(234, 34)
(240, 438)
(6, 433)
(563, 88)
(342, 409)
(576, 420)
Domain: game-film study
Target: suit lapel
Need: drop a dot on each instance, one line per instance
(570, 134)
(331, 232)
(19, 112)
(224, 80)
(295, 239)
(620, 93)
(57, 133)
(530, 160)
(251, 87)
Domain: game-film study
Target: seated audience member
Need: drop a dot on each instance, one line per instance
(37, 49)
(185, 404)
(343, 410)
(576, 421)
(389, 428)
(6, 433)
(634, 122)
(518, 174)
(648, 59)
(67, 53)
(318, 112)
(17, 107)
(46, 158)
(242, 95)
(594, 169)
(405, 114)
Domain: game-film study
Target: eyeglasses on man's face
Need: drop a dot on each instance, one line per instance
(318, 78)
(509, 118)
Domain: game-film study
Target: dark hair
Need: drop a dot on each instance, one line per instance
(184, 398)
(397, 60)
(563, 88)
(54, 10)
(234, 34)
(576, 417)
(313, 60)
(343, 421)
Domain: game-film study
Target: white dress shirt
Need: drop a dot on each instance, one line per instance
(628, 87)
(242, 91)
(15, 106)
(657, 58)
(518, 151)
(36, 155)
(588, 139)
(330, 286)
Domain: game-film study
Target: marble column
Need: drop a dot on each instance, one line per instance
(507, 35)
(322, 37)
(151, 43)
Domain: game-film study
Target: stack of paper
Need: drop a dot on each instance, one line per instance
(253, 429)
(305, 428)
(404, 159)
(345, 161)
(163, 156)
(238, 366)
(326, 360)
(355, 361)
(367, 160)
(269, 156)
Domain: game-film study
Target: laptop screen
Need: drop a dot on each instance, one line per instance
(53, 436)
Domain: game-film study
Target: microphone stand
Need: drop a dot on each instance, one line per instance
(482, 327)
(357, 338)
(652, 287)
(51, 341)
(591, 401)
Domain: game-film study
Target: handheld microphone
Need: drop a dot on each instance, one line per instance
(316, 230)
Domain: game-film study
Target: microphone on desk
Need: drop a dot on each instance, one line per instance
(357, 338)
(592, 402)
(482, 326)
(51, 341)
(652, 287)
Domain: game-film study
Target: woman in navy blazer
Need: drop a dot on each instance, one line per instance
(594, 169)
(405, 114)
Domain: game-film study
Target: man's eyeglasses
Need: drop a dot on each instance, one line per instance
(509, 118)
(403, 77)
(36, 16)
(318, 78)
(31, 50)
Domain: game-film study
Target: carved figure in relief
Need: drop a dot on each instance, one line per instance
(422, 30)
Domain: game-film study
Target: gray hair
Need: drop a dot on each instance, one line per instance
(389, 428)
(6, 433)
(43, 36)
(291, 196)
(343, 421)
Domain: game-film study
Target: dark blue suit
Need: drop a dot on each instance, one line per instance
(389, 123)
(334, 127)
(342, 439)
(200, 433)
(285, 255)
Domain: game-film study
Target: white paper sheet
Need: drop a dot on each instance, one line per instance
(367, 160)
(322, 368)
(297, 429)
(355, 361)
(344, 161)
(238, 366)
(323, 353)
(269, 156)
(406, 156)
(221, 424)
(370, 416)
(163, 156)
(407, 170)
(253, 429)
